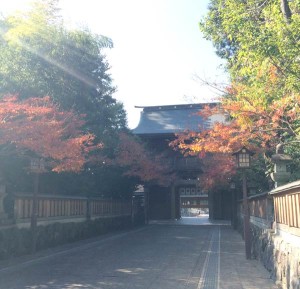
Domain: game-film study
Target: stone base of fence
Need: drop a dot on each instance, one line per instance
(278, 249)
(16, 241)
(275, 233)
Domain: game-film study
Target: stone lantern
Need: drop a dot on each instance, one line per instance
(281, 174)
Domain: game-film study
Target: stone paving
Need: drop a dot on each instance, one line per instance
(232, 269)
(191, 253)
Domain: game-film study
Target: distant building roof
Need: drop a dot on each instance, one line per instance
(170, 119)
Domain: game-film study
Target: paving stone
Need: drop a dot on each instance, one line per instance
(183, 254)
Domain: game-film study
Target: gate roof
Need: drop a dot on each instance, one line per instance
(171, 119)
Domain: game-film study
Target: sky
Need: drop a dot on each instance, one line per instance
(158, 48)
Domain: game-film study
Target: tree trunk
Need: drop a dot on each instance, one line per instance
(285, 9)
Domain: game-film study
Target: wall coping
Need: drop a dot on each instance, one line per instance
(67, 197)
(265, 224)
(257, 196)
(40, 196)
(286, 187)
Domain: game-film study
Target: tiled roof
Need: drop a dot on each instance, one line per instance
(171, 119)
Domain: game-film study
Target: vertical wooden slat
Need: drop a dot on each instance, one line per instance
(298, 209)
(39, 208)
(286, 208)
(29, 206)
(54, 207)
(94, 208)
(275, 210)
(26, 204)
(289, 211)
(68, 212)
(281, 218)
(278, 210)
(294, 210)
(58, 207)
(63, 208)
(72, 207)
(283, 209)
(292, 213)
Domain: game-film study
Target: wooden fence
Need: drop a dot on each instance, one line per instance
(261, 210)
(287, 204)
(281, 205)
(64, 207)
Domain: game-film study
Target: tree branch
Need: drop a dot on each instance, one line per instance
(286, 11)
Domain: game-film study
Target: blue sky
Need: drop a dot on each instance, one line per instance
(158, 48)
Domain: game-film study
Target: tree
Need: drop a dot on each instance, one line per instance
(259, 40)
(141, 163)
(262, 129)
(39, 57)
(36, 127)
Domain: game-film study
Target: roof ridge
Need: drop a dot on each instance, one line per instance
(176, 106)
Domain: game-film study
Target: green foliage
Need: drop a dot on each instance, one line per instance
(260, 41)
(98, 181)
(253, 36)
(39, 56)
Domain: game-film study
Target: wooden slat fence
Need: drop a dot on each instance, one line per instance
(50, 206)
(109, 208)
(261, 210)
(281, 205)
(68, 207)
(260, 206)
(287, 208)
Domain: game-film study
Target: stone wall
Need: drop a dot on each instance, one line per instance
(275, 233)
(16, 241)
(287, 259)
(279, 251)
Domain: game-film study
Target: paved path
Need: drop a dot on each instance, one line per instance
(164, 255)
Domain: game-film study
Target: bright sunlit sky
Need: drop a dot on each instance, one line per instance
(158, 48)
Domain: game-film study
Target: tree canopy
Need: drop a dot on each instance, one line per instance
(260, 42)
(35, 127)
(40, 56)
(262, 39)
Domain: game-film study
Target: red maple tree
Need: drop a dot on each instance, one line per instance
(260, 126)
(37, 126)
(141, 163)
